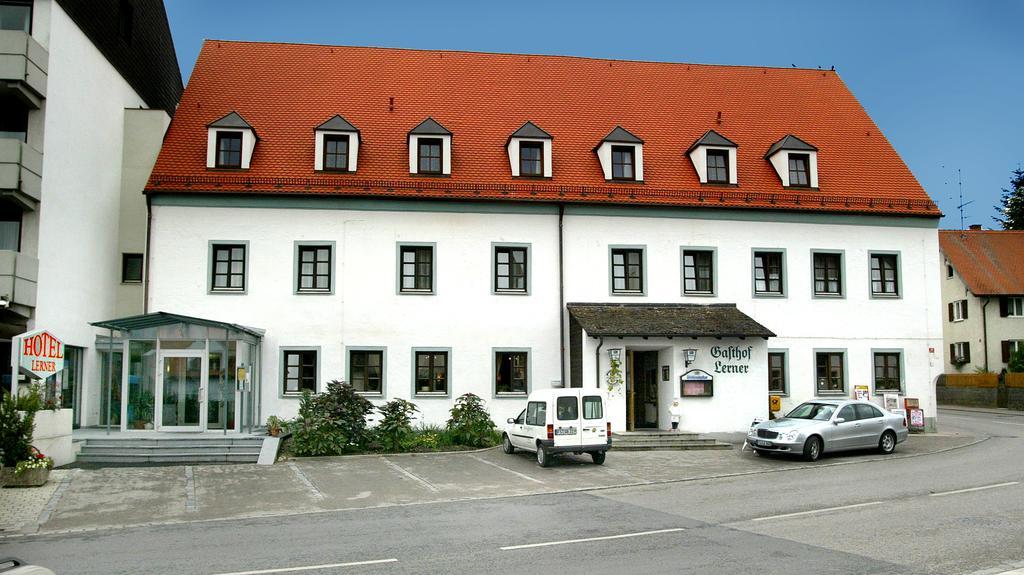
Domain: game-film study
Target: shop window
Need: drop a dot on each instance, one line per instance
(511, 372)
(366, 370)
(831, 372)
(299, 371)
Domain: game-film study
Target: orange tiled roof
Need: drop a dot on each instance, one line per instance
(990, 262)
(286, 90)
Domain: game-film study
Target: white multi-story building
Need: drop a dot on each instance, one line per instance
(983, 290)
(87, 89)
(425, 224)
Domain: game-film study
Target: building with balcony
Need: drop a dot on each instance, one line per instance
(87, 89)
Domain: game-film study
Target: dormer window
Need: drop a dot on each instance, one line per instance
(799, 171)
(795, 161)
(336, 146)
(622, 163)
(336, 152)
(430, 155)
(714, 158)
(621, 155)
(529, 152)
(718, 166)
(430, 149)
(230, 142)
(229, 149)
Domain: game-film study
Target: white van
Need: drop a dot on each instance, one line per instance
(561, 421)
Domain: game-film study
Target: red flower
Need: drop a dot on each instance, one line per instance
(40, 456)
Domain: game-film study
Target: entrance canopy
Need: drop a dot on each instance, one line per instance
(665, 320)
(137, 326)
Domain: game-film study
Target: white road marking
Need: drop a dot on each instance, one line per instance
(970, 489)
(813, 511)
(312, 567)
(588, 539)
(430, 486)
(516, 473)
(1004, 422)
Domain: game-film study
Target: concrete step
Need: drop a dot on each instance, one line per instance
(153, 451)
(179, 458)
(682, 446)
(658, 439)
(184, 442)
(646, 434)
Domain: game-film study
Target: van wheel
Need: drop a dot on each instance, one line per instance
(598, 457)
(812, 448)
(543, 457)
(506, 445)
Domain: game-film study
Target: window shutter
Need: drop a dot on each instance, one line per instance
(967, 351)
(1004, 307)
(950, 306)
(1006, 351)
(963, 308)
(952, 352)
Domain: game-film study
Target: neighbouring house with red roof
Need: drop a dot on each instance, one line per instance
(425, 224)
(983, 290)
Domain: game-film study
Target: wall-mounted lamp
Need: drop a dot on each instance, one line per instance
(613, 354)
(690, 355)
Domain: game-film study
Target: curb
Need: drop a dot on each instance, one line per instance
(43, 534)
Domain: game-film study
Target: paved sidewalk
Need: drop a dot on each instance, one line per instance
(999, 411)
(126, 496)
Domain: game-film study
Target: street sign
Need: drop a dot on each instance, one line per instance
(42, 354)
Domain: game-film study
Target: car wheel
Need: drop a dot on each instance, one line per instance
(598, 457)
(887, 443)
(506, 445)
(812, 448)
(543, 457)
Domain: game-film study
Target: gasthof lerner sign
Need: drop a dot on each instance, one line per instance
(41, 353)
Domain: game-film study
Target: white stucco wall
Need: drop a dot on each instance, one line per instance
(79, 258)
(464, 315)
(365, 308)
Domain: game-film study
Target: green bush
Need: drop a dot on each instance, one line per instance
(313, 434)
(347, 411)
(16, 428)
(1016, 364)
(395, 428)
(470, 424)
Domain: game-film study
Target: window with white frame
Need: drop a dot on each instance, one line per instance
(958, 310)
(1012, 307)
(960, 352)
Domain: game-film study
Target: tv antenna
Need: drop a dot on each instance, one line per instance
(960, 187)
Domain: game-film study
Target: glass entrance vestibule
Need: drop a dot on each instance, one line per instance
(169, 372)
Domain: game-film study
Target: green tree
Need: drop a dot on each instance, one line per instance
(1016, 364)
(1011, 206)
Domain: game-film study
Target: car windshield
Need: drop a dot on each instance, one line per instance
(819, 411)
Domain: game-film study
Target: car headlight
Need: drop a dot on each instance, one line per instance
(790, 436)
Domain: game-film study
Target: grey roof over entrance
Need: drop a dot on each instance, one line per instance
(159, 318)
(666, 320)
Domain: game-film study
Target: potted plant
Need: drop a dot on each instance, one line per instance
(140, 410)
(31, 472)
(274, 426)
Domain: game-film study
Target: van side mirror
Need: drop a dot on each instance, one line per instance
(511, 420)
(839, 420)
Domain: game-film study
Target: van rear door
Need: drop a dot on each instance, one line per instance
(566, 420)
(594, 423)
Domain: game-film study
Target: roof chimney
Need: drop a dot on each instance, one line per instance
(975, 227)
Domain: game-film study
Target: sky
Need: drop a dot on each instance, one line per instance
(943, 80)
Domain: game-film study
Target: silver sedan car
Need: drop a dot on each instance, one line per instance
(826, 425)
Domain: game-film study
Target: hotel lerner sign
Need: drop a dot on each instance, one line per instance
(42, 353)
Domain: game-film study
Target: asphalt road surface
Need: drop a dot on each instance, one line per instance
(956, 512)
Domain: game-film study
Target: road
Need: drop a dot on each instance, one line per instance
(956, 512)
